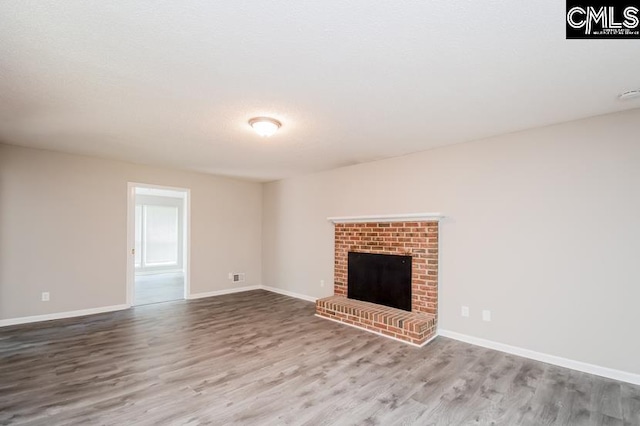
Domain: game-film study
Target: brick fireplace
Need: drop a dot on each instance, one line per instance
(407, 235)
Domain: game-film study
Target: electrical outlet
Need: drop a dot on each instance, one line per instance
(238, 277)
(321, 283)
(230, 276)
(464, 311)
(486, 315)
(45, 296)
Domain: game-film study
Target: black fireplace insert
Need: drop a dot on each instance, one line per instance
(384, 279)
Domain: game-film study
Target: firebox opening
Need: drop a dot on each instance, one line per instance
(384, 279)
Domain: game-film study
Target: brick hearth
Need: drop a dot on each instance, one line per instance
(416, 239)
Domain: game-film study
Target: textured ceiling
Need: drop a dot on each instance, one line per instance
(173, 83)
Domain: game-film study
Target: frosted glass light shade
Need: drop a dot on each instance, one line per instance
(265, 126)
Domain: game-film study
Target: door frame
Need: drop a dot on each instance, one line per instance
(131, 240)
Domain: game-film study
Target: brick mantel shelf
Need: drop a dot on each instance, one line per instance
(411, 217)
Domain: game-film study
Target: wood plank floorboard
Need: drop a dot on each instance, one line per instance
(157, 288)
(259, 358)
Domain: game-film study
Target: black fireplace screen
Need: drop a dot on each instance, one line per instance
(384, 279)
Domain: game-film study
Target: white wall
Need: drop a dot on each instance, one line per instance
(63, 225)
(543, 230)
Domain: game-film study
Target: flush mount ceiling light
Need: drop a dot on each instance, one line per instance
(265, 126)
(631, 94)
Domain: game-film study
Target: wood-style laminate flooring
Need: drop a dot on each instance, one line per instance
(156, 288)
(259, 358)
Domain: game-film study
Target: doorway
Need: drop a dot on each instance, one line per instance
(158, 241)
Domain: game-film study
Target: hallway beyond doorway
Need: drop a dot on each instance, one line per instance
(156, 288)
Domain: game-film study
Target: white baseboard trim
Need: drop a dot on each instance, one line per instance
(375, 332)
(597, 370)
(289, 293)
(103, 309)
(223, 292)
(61, 315)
